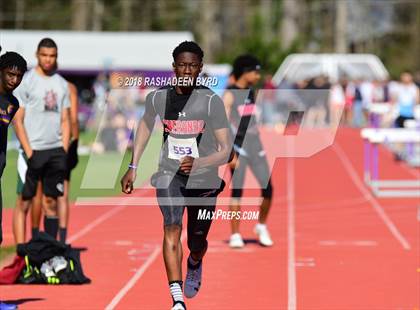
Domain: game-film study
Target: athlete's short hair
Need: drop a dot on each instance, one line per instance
(245, 63)
(46, 42)
(13, 60)
(188, 46)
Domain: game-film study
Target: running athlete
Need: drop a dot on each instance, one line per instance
(239, 102)
(72, 160)
(195, 142)
(43, 128)
(12, 69)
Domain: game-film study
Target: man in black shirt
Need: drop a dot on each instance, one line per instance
(195, 142)
(12, 68)
(239, 100)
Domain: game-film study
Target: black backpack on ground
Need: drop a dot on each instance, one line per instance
(41, 249)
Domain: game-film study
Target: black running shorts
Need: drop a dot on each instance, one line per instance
(251, 154)
(49, 167)
(176, 192)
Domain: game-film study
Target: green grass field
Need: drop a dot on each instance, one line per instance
(147, 166)
(7, 251)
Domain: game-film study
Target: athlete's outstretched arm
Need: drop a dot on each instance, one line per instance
(143, 133)
(218, 158)
(228, 102)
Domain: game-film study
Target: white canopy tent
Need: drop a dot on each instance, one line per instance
(96, 51)
(298, 67)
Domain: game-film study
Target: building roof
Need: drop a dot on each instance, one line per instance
(96, 51)
(335, 66)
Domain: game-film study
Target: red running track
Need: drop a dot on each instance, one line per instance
(336, 247)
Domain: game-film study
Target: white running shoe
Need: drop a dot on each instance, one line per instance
(47, 270)
(236, 241)
(193, 279)
(179, 306)
(58, 263)
(263, 235)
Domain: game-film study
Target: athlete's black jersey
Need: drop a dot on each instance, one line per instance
(8, 107)
(242, 115)
(188, 122)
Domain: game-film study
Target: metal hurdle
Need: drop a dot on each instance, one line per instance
(372, 137)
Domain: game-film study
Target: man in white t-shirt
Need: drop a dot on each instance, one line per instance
(43, 128)
(406, 96)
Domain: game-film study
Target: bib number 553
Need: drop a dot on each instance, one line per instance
(182, 150)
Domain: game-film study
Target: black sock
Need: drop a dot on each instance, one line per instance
(62, 234)
(35, 232)
(51, 225)
(20, 248)
(192, 263)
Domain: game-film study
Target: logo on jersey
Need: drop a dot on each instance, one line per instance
(182, 114)
(190, 127)
(246, 109)
(60, 187)
(10, 108)
(50, 101)
(5, 114)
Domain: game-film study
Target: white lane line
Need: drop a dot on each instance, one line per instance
(120, 204)
(363, 243)
(368, 195)
(291, 285)
(148, 201)
(95, 223)
(305, 262)
(341, 203)
(134, 279)
(130, 284)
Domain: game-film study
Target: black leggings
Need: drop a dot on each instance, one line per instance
(253, 155)
(173, 197)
